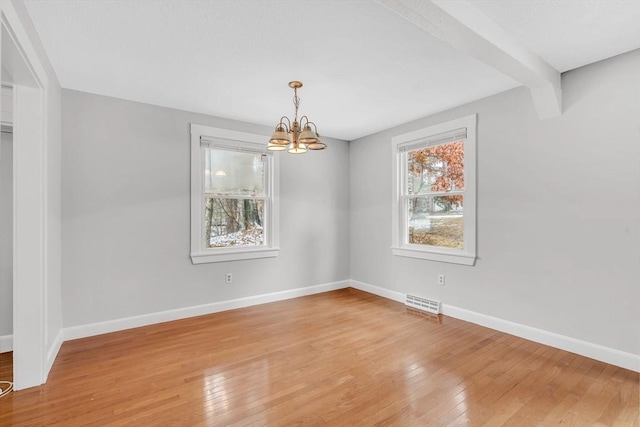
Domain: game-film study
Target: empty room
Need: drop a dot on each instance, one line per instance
(320, 213)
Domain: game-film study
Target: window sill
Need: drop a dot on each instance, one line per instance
(453, 258)
(233, 255)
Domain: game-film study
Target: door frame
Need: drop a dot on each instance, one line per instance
(20, 61)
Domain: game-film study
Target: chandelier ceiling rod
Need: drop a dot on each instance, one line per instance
(296, 137)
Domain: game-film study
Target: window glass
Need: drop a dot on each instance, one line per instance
(439, 168)
(233, 222)
(436, 221)
(233, 172)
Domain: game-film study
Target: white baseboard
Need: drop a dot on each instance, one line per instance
(6, 343)
(377, 290)
(53, 351)
(99, 328)
(584, 348)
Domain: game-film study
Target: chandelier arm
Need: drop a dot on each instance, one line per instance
(314, 125)
(287, 127)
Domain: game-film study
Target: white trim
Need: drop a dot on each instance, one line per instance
(234, 255)
(573, 345)
(435, 256)
(467, 255)
(99, 328)
(467, 122)
(31, 122)
(584, 348)
(377, 290)
(6, 343)
(6, 112)
(53, 351)
(200, 255)
(19, 36)
(202, 130)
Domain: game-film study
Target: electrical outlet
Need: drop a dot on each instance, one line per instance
(441, 279)
(228, 278)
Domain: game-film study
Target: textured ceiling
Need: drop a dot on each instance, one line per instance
(569, 34)
(363, 67)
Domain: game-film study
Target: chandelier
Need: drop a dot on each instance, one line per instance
(298, 136)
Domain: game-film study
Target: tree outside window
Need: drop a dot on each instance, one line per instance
(435, 218)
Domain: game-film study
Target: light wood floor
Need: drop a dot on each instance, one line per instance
(344, 358)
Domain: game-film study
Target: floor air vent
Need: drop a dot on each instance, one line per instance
(423, 304)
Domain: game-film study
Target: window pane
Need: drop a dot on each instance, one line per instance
(438, 168)
(436, 221)
(233, 172)
(233, 222)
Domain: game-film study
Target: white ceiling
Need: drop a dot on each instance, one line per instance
(364, 68)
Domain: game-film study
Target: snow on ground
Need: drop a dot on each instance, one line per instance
(251, 237)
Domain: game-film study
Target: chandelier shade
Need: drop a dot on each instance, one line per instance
(276, 147)
(318, 145)
(297, 148)
(308, 136)
(280, 137)
(296, 136)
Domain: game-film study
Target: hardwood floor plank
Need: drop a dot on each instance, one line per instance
(342, 358)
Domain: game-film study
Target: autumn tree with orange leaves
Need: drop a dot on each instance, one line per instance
(442, 169)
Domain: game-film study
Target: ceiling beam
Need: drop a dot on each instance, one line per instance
(462, 26)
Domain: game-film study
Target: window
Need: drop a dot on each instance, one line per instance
(434, 206)
(233, 196)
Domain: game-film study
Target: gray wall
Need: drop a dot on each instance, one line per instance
(125, 214)
(6, 234)
(558, 211)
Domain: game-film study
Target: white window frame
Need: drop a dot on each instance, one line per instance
(400, 246)
(200, 254)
